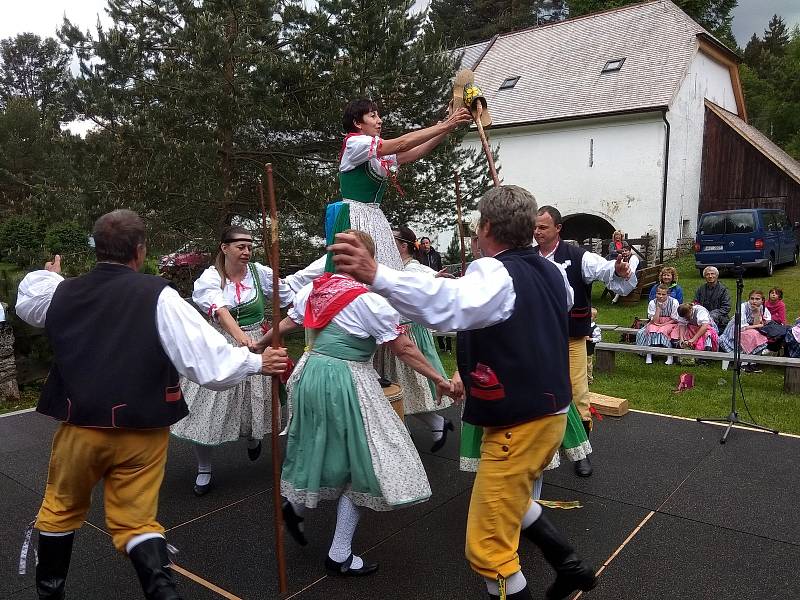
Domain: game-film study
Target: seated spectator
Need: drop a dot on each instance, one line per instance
(696, 328)
(776, 306)
(714, 297)
(615, 247)
(793, 340)
(669, 277)
(631, 258)
(661, 329)
(754, 316)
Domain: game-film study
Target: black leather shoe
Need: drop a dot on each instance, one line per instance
(446, 426)
(51, 571)
(342, 569)
(293, 521)
(583, 467)
(254, 453)
(202, 490)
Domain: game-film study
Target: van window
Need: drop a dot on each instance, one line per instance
(712, 225)
(740, 223)
(772, 221)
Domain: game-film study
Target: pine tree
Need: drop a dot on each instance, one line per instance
(38, 71)
(776, 36)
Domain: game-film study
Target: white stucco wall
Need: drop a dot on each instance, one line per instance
(609, 167)
(705, 78)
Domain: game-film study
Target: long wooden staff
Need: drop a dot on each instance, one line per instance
(476, 115)
(271, 251)
(460, 225)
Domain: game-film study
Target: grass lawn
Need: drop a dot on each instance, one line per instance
(650, 387)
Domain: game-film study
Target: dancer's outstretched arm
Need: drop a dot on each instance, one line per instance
(407, 351)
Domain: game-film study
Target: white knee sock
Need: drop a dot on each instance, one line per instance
(534, 512)
(649, 359)
(138, 539)
(203, 454)
(537, 487)
(347, 516)
(434, 422)
(669, 360)
(515, 583)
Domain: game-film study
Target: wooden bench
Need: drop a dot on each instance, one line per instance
(605, 354)
(645, 278)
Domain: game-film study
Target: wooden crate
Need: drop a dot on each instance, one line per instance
(608, 405)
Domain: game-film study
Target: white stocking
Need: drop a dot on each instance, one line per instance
(347, 516)
(203, 454)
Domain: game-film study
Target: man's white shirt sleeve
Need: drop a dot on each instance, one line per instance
(596, 268)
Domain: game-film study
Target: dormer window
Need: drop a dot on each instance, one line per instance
(509, 83)
(613, 65)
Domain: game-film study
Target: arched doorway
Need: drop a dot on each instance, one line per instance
(581, 226)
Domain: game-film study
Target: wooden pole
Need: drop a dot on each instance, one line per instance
(460, 225)
(271, 250)
(485, 143)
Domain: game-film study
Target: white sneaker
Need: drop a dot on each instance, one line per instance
(669, 360)
(649, 359)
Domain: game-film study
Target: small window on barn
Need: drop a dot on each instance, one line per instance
(613, 65)
(509, 83)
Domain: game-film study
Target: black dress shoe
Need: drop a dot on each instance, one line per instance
(583, 467)
(293, 521)
(202, 490)
(446, 426)
(254, 453)
(342, 569)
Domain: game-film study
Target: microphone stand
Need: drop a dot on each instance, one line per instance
(733, 417)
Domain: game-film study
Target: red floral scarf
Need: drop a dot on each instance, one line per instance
(329, 295)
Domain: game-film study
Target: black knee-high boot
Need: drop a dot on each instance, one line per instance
(51, 571)
(152, 564)
(571, 573)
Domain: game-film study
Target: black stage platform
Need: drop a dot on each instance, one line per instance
(669, 511)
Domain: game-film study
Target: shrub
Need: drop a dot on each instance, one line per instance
(21, 241)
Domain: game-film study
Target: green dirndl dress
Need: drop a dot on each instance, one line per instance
(343, 435)
(574, 446)
(243, 411)
(362, 191)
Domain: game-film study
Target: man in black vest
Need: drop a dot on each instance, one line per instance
(119, 340)
(510, 309)
(583, 268)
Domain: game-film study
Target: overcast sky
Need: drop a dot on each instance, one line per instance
(43, 17)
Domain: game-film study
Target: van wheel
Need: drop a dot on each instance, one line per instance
(770, 268)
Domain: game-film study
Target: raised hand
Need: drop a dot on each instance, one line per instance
(622, 268)
(54, 265)
(444, 273)
(457, 118)
(352, 258)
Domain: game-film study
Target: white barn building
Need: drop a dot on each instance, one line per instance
(602, 116)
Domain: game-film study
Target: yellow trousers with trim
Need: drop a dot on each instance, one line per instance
(131, 464)
(512, 458)
(578, 377)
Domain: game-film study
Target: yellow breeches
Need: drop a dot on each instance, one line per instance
(512, 458)
(578, 377)
(131, 463)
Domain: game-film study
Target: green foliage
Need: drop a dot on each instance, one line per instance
(38, 71)
(21, 241)
(771, 82)
(70, 240)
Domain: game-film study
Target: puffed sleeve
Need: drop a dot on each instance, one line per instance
(376, 317)
(651, 308)
(359, 149)
(208, 294)
(303, 277)
(34, 295)
(297, 310)
(265, 277)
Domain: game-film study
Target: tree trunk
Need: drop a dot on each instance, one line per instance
(9, 392)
